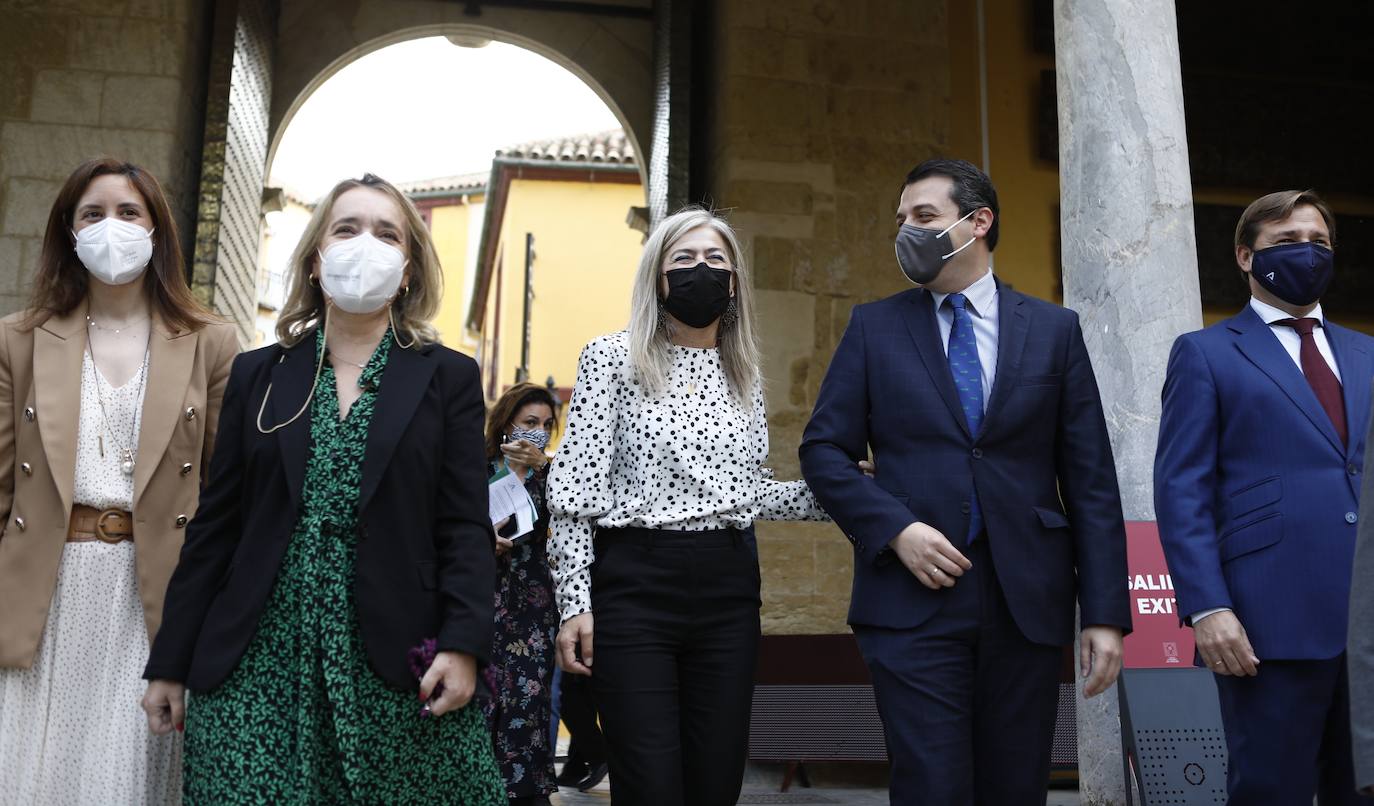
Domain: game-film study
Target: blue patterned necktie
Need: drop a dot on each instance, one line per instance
(968, 382)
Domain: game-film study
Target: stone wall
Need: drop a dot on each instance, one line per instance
(85, 78)
(821, 107)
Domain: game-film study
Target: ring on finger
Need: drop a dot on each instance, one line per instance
(935, 569)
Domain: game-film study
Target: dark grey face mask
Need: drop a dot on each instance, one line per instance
(922, 252)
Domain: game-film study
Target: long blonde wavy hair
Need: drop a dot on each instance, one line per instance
(412, 311)
(649, 336)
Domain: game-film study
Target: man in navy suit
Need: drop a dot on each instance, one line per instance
(1257, 480)
(993, 507)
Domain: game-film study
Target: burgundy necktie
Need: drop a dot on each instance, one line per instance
(1319, 375)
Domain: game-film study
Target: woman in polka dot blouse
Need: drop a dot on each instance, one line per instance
(654, 493)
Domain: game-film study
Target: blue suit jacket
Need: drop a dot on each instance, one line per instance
(1256, 497)
(1042, 464)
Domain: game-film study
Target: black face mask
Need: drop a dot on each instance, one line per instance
(699, 295)
(922, 252)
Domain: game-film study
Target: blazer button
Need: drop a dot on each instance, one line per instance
(1351, 469)
(30, 414)
(966, 507)
(20, 523)
(190, 412)
(1351, 517)
(977, 453)
(186, 469)
(181, 521)
(27, 468)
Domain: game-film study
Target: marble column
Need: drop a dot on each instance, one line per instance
(1130, 260)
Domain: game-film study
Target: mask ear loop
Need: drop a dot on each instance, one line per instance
(391, 314)
(319, 367)
(952, 226)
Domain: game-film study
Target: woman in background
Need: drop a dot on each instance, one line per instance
(522, 658)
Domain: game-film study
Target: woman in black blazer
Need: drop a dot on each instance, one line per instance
(342, 550)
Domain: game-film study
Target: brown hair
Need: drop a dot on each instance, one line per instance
(62, 280)
(515, 398)
(1276, 207)
(413, 309)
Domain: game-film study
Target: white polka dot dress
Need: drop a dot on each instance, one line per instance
(72, 732)
(689, 459)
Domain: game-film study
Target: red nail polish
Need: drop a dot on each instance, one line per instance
(422, 696)
(181, 727)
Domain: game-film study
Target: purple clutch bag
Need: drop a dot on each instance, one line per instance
(420, 659)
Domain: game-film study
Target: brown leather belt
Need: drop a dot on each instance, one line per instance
(107, 526)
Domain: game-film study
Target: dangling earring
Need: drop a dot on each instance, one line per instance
(729, 318)
(313, 281)
(662, 318)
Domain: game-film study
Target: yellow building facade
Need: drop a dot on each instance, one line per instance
(576, 198)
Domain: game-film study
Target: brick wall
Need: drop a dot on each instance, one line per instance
(821, 108)
(84, 78)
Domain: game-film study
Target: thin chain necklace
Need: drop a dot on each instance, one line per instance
(126, 451)
(115, 330)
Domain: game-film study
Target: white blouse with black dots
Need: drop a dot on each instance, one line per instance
(690, 459)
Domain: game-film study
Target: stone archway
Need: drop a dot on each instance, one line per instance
(613, 55)
(268, 56)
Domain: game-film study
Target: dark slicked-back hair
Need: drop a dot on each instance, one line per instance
(972, 188)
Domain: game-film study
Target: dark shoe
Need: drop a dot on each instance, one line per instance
(596, 776)
(572, 774)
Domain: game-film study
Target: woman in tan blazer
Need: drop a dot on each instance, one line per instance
(110, 388)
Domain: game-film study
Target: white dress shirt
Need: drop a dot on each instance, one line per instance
(1289, 337)
(983, 312)
(1292, 343)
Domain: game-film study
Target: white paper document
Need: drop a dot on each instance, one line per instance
(507, 497)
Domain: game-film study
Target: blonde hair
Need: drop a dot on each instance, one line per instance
(650, 341)
(413, 310)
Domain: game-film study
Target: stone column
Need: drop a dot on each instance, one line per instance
(1130, 261)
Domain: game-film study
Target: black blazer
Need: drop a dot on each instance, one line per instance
(425, 563)
(1041, 464)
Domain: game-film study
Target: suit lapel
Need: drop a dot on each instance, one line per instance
(58, 347)
(1357, 367)
(292, 378)
(171, 357)
(404, 382)
(925, 331)
(1259, 344)
(1012, 324)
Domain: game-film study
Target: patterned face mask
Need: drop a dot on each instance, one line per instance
(539, 437)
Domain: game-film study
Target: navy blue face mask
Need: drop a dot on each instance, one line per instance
(1297, 273)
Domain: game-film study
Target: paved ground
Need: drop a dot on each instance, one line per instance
(763, 788)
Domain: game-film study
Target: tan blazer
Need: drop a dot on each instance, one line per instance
(40, 403)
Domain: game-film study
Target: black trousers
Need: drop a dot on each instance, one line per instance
(577, 709)
(676, 641)
(967, 702)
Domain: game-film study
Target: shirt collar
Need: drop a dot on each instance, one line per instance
(1270, 314)
(981, 294)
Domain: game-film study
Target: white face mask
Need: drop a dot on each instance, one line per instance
(361, 274)
(115, 252)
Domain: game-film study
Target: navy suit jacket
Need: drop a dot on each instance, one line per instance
(1256, 497)
(1042, 465)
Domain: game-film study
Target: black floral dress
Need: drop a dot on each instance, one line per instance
(522, 657)
(303, 719)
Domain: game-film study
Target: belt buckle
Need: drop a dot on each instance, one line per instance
(100, 527)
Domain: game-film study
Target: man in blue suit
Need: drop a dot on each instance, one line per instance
(1257, 481)
(993, 507)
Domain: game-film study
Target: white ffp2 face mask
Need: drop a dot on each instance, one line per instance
(115, 252)
(361, 274)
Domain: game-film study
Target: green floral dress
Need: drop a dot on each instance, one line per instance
(303, 719)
